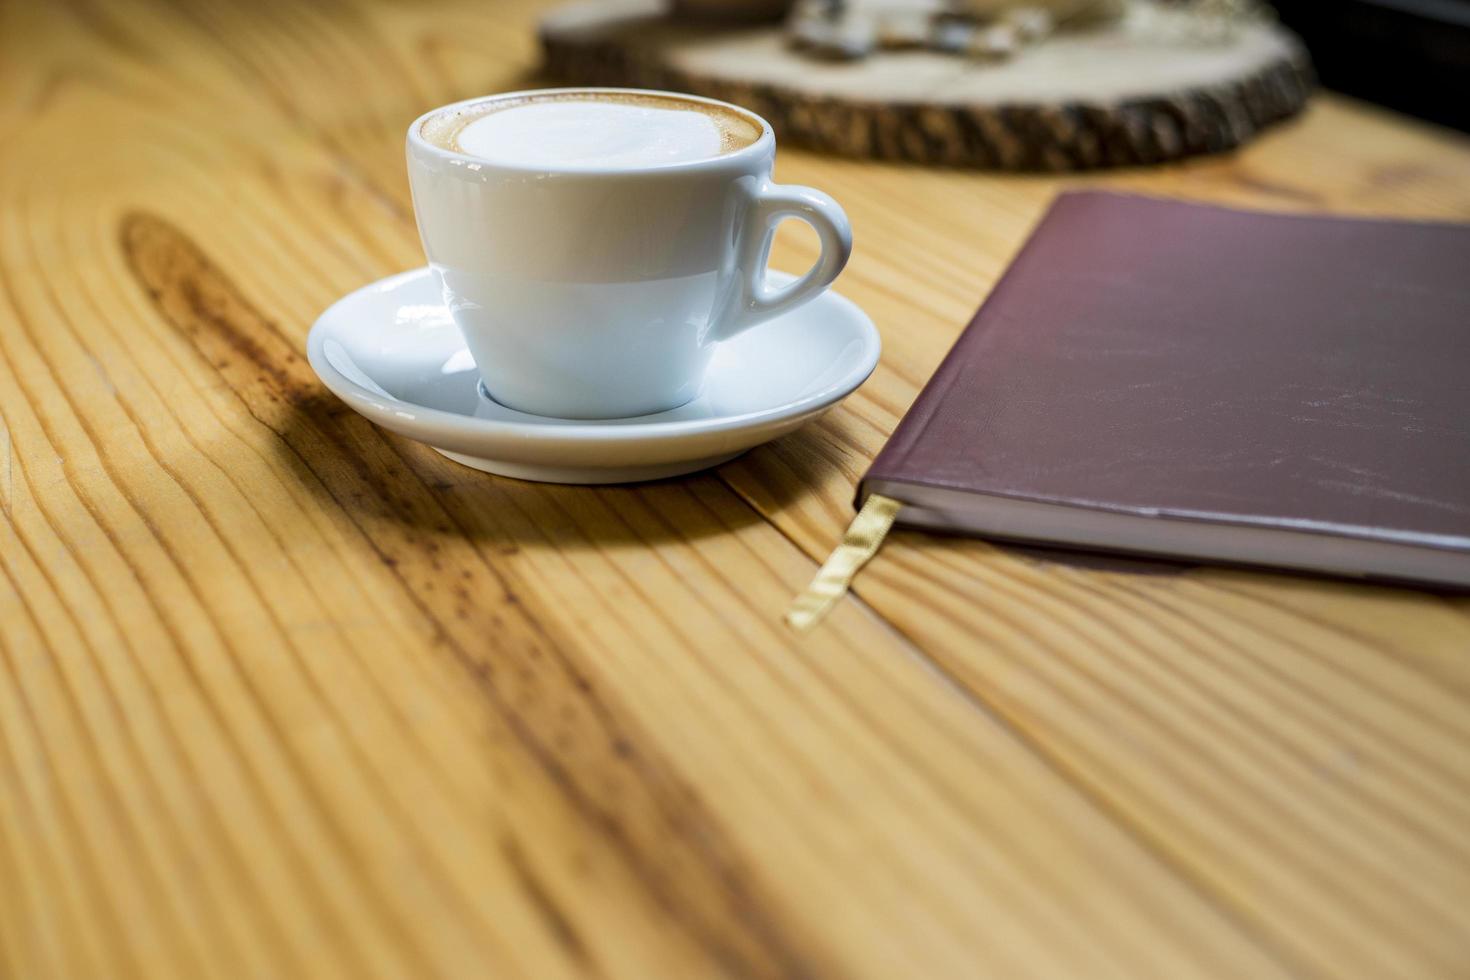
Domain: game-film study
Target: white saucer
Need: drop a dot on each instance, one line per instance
(390, 351)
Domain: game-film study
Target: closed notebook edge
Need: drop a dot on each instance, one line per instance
(1380, 554)
(1357, 552)
(1402, 557)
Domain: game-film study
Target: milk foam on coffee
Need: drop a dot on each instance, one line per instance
(582, 130)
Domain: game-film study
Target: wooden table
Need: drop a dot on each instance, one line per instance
(282, 695)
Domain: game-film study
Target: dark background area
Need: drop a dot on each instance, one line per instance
(1410, 55)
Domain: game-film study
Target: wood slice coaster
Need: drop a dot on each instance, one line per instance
(1139, 91)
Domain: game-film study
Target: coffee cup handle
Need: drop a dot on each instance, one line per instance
(755, 302)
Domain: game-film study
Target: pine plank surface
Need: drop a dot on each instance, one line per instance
(282, 695)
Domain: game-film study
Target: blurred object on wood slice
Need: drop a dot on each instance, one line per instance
(822, 29)
(996, 30)
(987, 30)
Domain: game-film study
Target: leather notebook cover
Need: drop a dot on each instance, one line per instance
(1193, 381)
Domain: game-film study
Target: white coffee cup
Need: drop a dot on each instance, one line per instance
(599, 291)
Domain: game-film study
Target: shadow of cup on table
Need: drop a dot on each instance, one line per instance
(377, 477)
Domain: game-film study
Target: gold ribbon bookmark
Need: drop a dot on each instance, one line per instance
(864, 536)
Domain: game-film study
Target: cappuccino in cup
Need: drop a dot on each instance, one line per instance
(590, 129)
(595, 245)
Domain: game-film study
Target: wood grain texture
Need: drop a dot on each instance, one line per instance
(283, 695)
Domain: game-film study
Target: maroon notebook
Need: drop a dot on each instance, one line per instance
(1182, 380)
